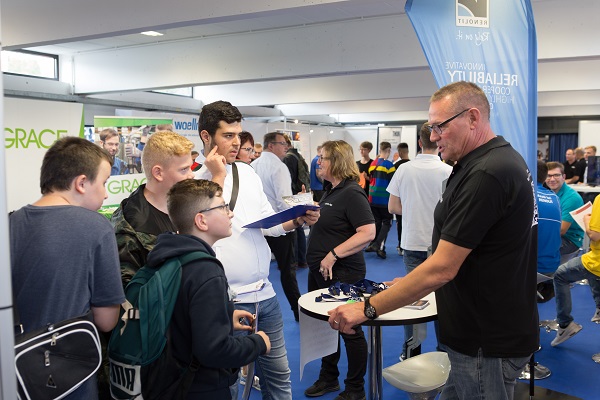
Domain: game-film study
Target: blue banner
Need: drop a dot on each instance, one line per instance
(491, 43)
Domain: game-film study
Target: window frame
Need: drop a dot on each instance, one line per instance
(39, 54)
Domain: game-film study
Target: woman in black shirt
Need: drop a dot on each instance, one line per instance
(335, 245)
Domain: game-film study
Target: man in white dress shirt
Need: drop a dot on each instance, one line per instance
(277, 182)
(245, 255)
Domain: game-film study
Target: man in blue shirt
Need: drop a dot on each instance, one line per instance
(571, 232)
(316, 184)
(109, 138)
(549, 240)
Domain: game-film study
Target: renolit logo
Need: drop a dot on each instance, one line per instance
(474, 13)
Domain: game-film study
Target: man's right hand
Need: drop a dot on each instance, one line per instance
(216, 165)
(266, 339)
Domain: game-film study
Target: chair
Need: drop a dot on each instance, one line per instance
(422, 376)
(564, 258)
(540, 371)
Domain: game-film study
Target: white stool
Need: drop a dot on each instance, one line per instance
(422, 376)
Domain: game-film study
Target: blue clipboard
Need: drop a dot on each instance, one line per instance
(283, 216)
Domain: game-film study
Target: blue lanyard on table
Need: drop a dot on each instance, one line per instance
(353, 292)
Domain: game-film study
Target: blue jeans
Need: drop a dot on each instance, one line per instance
(272, 369)
(570, 272)
(481, 377)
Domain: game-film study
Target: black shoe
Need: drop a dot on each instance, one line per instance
(346, 395)
(319, 388)
(370, 249)
(381, 254)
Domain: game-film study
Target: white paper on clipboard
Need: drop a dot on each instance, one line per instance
(579, 213)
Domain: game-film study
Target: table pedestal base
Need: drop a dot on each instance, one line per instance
(375, 364)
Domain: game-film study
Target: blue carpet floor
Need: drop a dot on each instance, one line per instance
(573, 371)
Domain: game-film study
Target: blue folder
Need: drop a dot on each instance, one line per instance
(281, 217)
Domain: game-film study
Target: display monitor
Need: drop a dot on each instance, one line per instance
(593, 170)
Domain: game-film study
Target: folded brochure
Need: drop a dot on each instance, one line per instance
(579, 213)
(283, 216)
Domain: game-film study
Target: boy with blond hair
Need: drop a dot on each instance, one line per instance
(143, 215)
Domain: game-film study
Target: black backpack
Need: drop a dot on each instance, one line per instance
(303, 174)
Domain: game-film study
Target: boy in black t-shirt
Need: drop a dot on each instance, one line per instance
(143, 215)
(363, 165)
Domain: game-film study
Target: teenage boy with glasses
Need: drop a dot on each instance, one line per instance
(204, 317)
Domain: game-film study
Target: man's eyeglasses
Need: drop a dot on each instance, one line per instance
(555, 176)
(248, 149)
(437, 128)
(281, 143)
(224, 206)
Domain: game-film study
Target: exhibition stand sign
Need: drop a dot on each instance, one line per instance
(134, 132)
(30, 128)
(396, 135)
(184, 124)
(491, 43)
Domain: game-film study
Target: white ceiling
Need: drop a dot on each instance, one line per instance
(334, 61)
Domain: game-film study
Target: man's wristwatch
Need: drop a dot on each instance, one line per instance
(369, 310)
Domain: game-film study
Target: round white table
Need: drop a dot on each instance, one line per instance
(402, 316)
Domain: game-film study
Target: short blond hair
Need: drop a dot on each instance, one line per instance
(161, 147)
(463, 95)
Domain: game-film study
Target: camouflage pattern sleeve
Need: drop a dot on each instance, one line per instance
(133, 246)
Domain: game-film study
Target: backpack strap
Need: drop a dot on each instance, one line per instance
(236, 186)
(187, 379)
(194, 255)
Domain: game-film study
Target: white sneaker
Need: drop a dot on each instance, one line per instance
(596, 317)
(566, 333)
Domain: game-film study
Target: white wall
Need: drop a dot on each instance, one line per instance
(589, 134)
(356, 135)
(399, 134)
(308, 140)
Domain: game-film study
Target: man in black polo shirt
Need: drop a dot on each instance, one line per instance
(483, 266)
